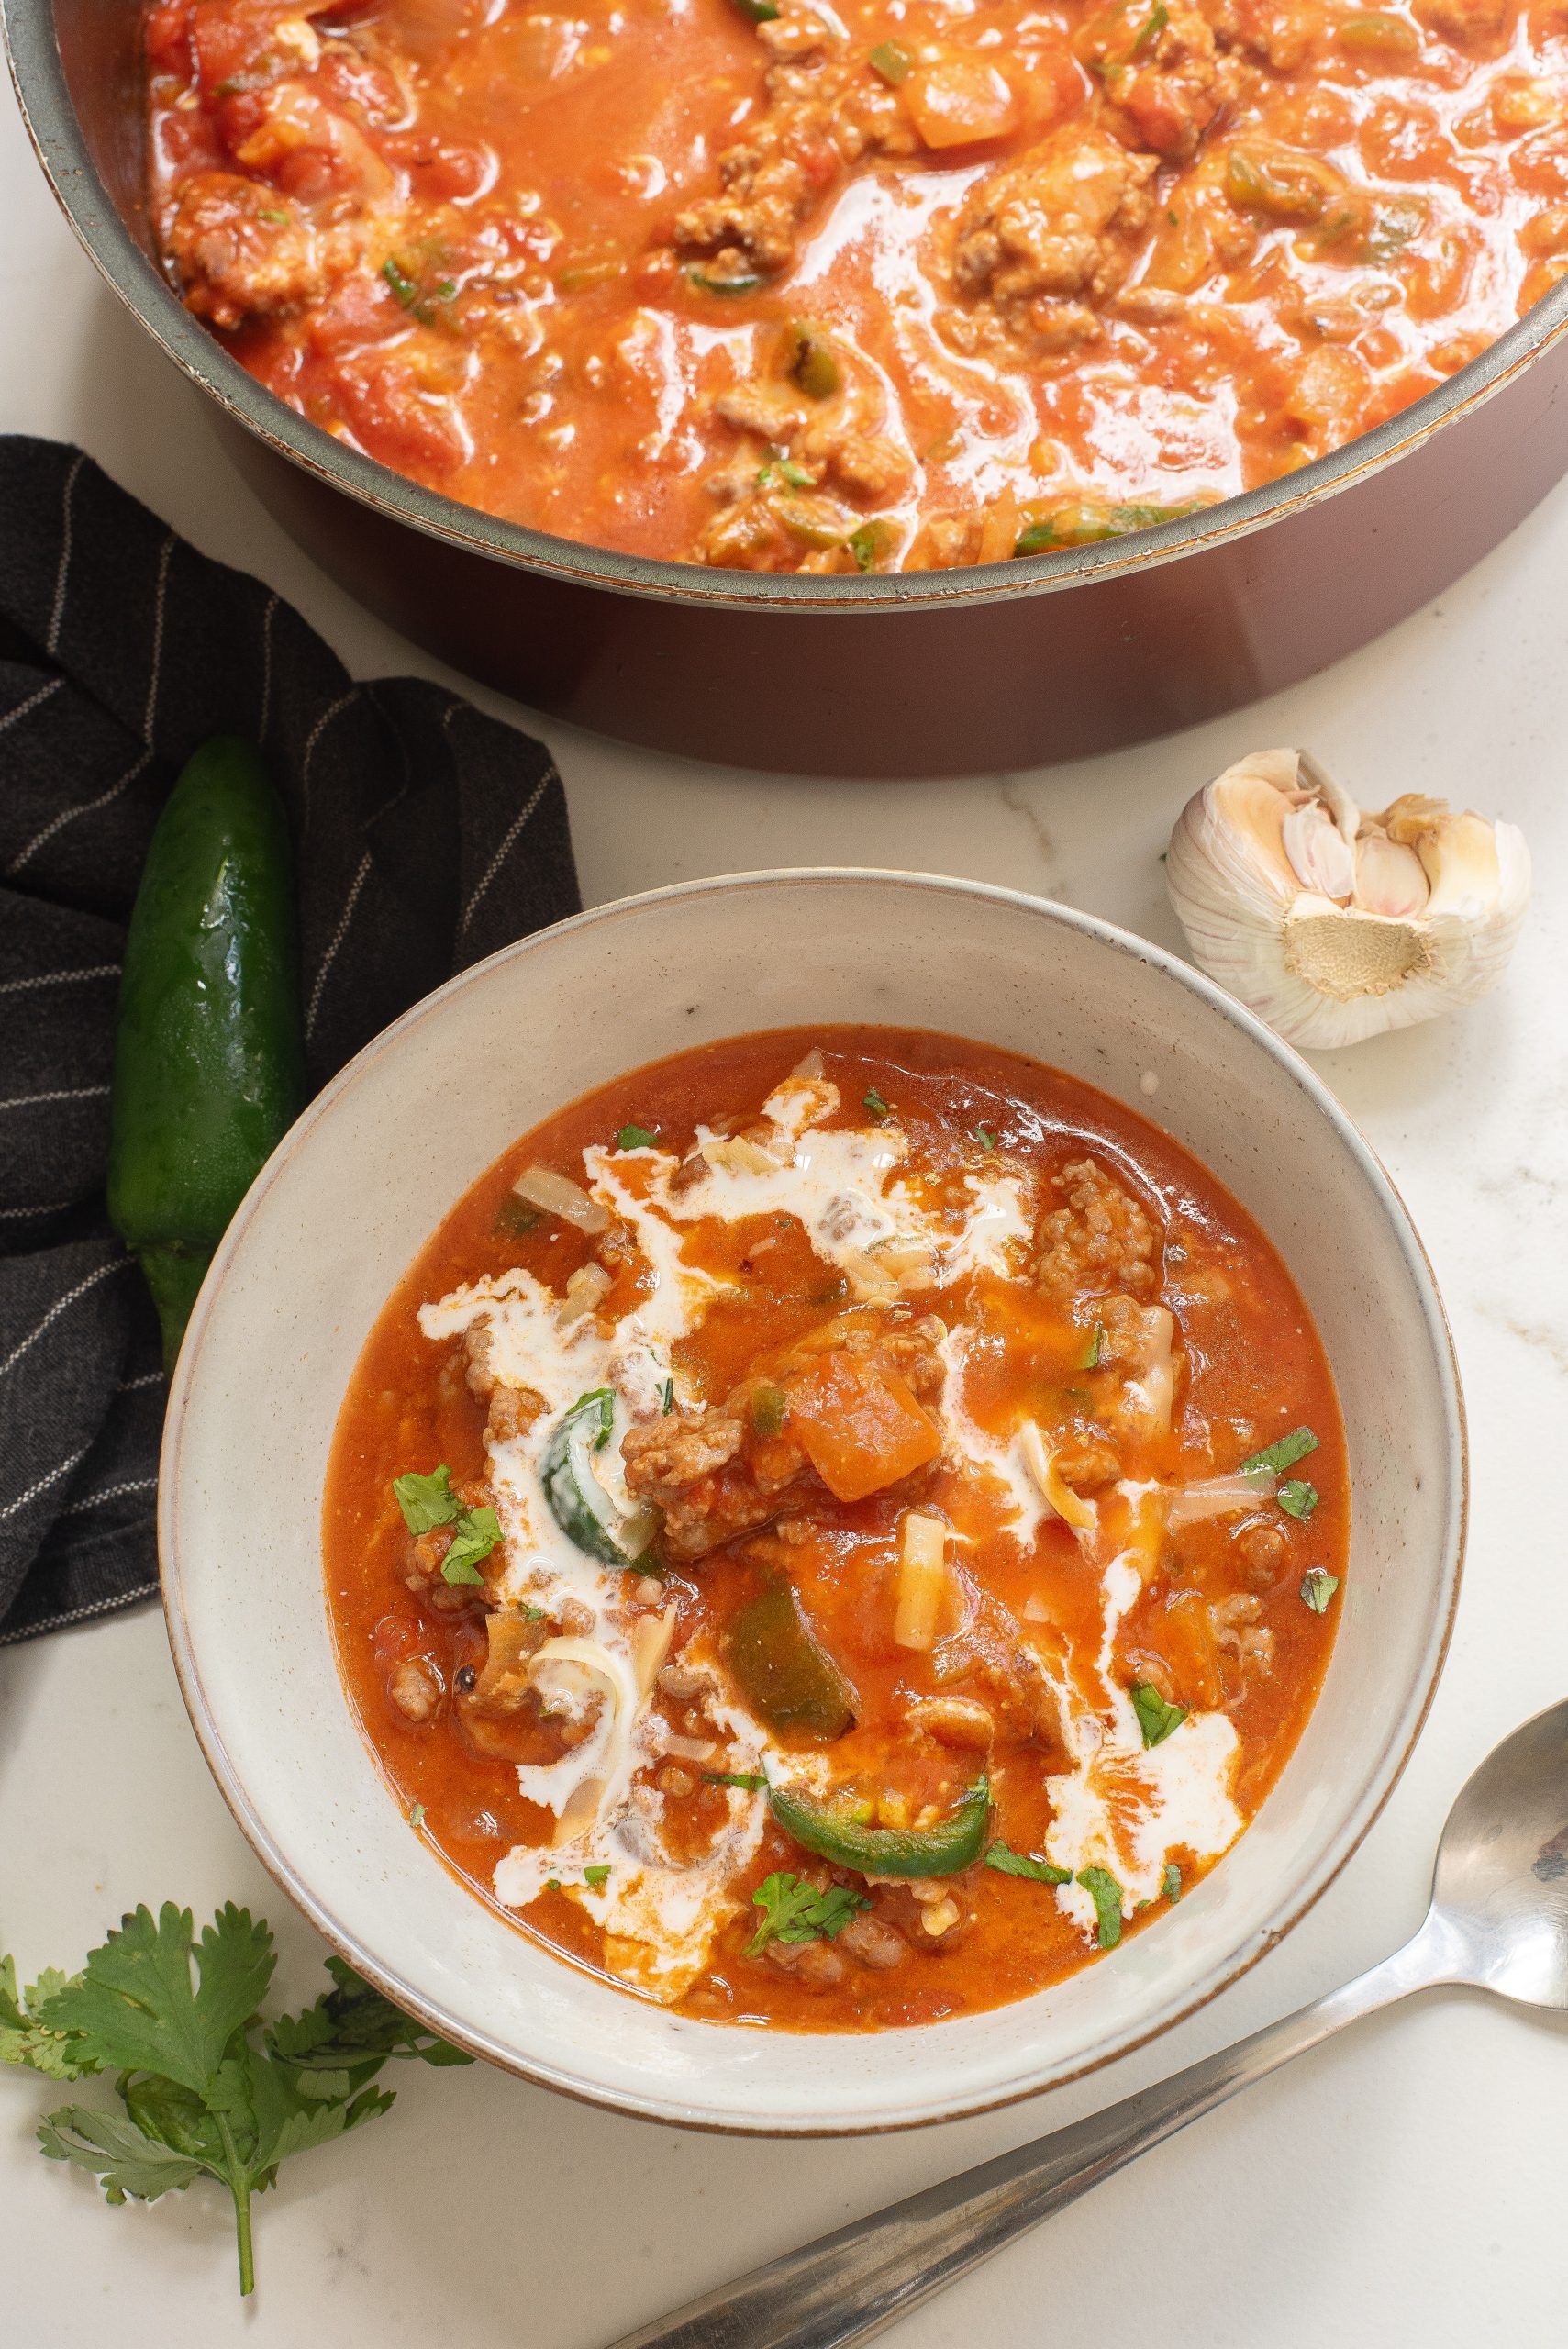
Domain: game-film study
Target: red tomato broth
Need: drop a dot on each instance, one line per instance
(467, 240)
(1254, 1370)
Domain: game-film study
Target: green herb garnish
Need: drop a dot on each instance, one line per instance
(871, 545)
(1024, 1864)
(783, 469)
(1297, 1499)
(751, 1782)
(636, 1138)
(1153, 25)
(1156, 1718)
(768, 1409)
(1106, 1893)
(402, 284)
(205, 2089)
(429, 1502)
(879, 1109)
(417, 1814)
(667, 1396)
(984, 1137)
(1275, 1458)
(515, 1218)
(1094, 1346)
(1318, 1587)
(1171, 1882)
(1036, 537)
(597, 1876)
(793, 1911)
(274, 219)
(757, 12)
(533, 1614)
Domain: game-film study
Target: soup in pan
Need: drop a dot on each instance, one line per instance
(855, 284)
(838, 1529)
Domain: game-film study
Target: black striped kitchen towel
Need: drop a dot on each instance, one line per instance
(426, 835)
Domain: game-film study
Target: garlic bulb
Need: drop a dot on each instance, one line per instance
(1333, 925)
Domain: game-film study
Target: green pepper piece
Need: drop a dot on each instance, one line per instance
(209, 1069)
(944, 1849)
(892, 60)
(810, 360)
(785, 1673)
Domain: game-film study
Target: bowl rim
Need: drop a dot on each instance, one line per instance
(43, 94)
(1341, 1846)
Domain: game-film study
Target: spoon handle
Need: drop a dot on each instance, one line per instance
(849, 2285)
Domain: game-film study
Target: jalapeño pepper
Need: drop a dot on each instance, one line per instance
(208, 1058)
(785, 1673)
(952, 1844)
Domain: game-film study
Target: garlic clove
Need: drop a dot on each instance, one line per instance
(1389, 877)
(1319, 856)
(1332, 925)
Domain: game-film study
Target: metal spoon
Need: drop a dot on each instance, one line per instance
(1498, 1921)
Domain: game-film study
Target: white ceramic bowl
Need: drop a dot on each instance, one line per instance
(374, 1164)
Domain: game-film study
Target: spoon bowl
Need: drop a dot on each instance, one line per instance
(1500, 1887)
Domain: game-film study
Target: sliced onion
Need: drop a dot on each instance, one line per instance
(922, 1582)
(585, 1289)
(740, 1156)
(1068, 1505)
(810, 1066)
(541, 1187)
(1218, 1497)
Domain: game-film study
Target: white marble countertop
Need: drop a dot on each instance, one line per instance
(1403, 2185)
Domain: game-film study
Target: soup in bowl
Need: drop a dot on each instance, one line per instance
(791, 1574)
(823, 1534)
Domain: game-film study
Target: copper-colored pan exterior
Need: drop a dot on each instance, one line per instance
(941, 672)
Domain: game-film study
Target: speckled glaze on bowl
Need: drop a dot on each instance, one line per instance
(341, 1208)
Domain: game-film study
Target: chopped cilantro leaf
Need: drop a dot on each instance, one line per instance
(793, 1911)
(1282, 1454)
(1093, 1344)
(597, 1876)
(1156, 1718)
(1297, 1498)
(879, 1109)
(1009, 1862)
(1106, 1893)
(667, 1396)
(751, 1782)
(1318, 1587)
(426, 1501)
(984, 1137)
(1171, 1881)
(429, 1502)
(552, 1884)
(533, 1614)
(636, 1138)
(474, 1535)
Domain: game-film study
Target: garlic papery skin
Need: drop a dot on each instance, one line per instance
(1333, 924)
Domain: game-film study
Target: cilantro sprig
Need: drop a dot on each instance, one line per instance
(428, 1502)
(1276, 1457)
(1156, 1718)
(1106, 1895)
(205, 2089)
(1007, 1862)
(795, 1911)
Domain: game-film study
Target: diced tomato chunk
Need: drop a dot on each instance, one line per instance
(861, 1428)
